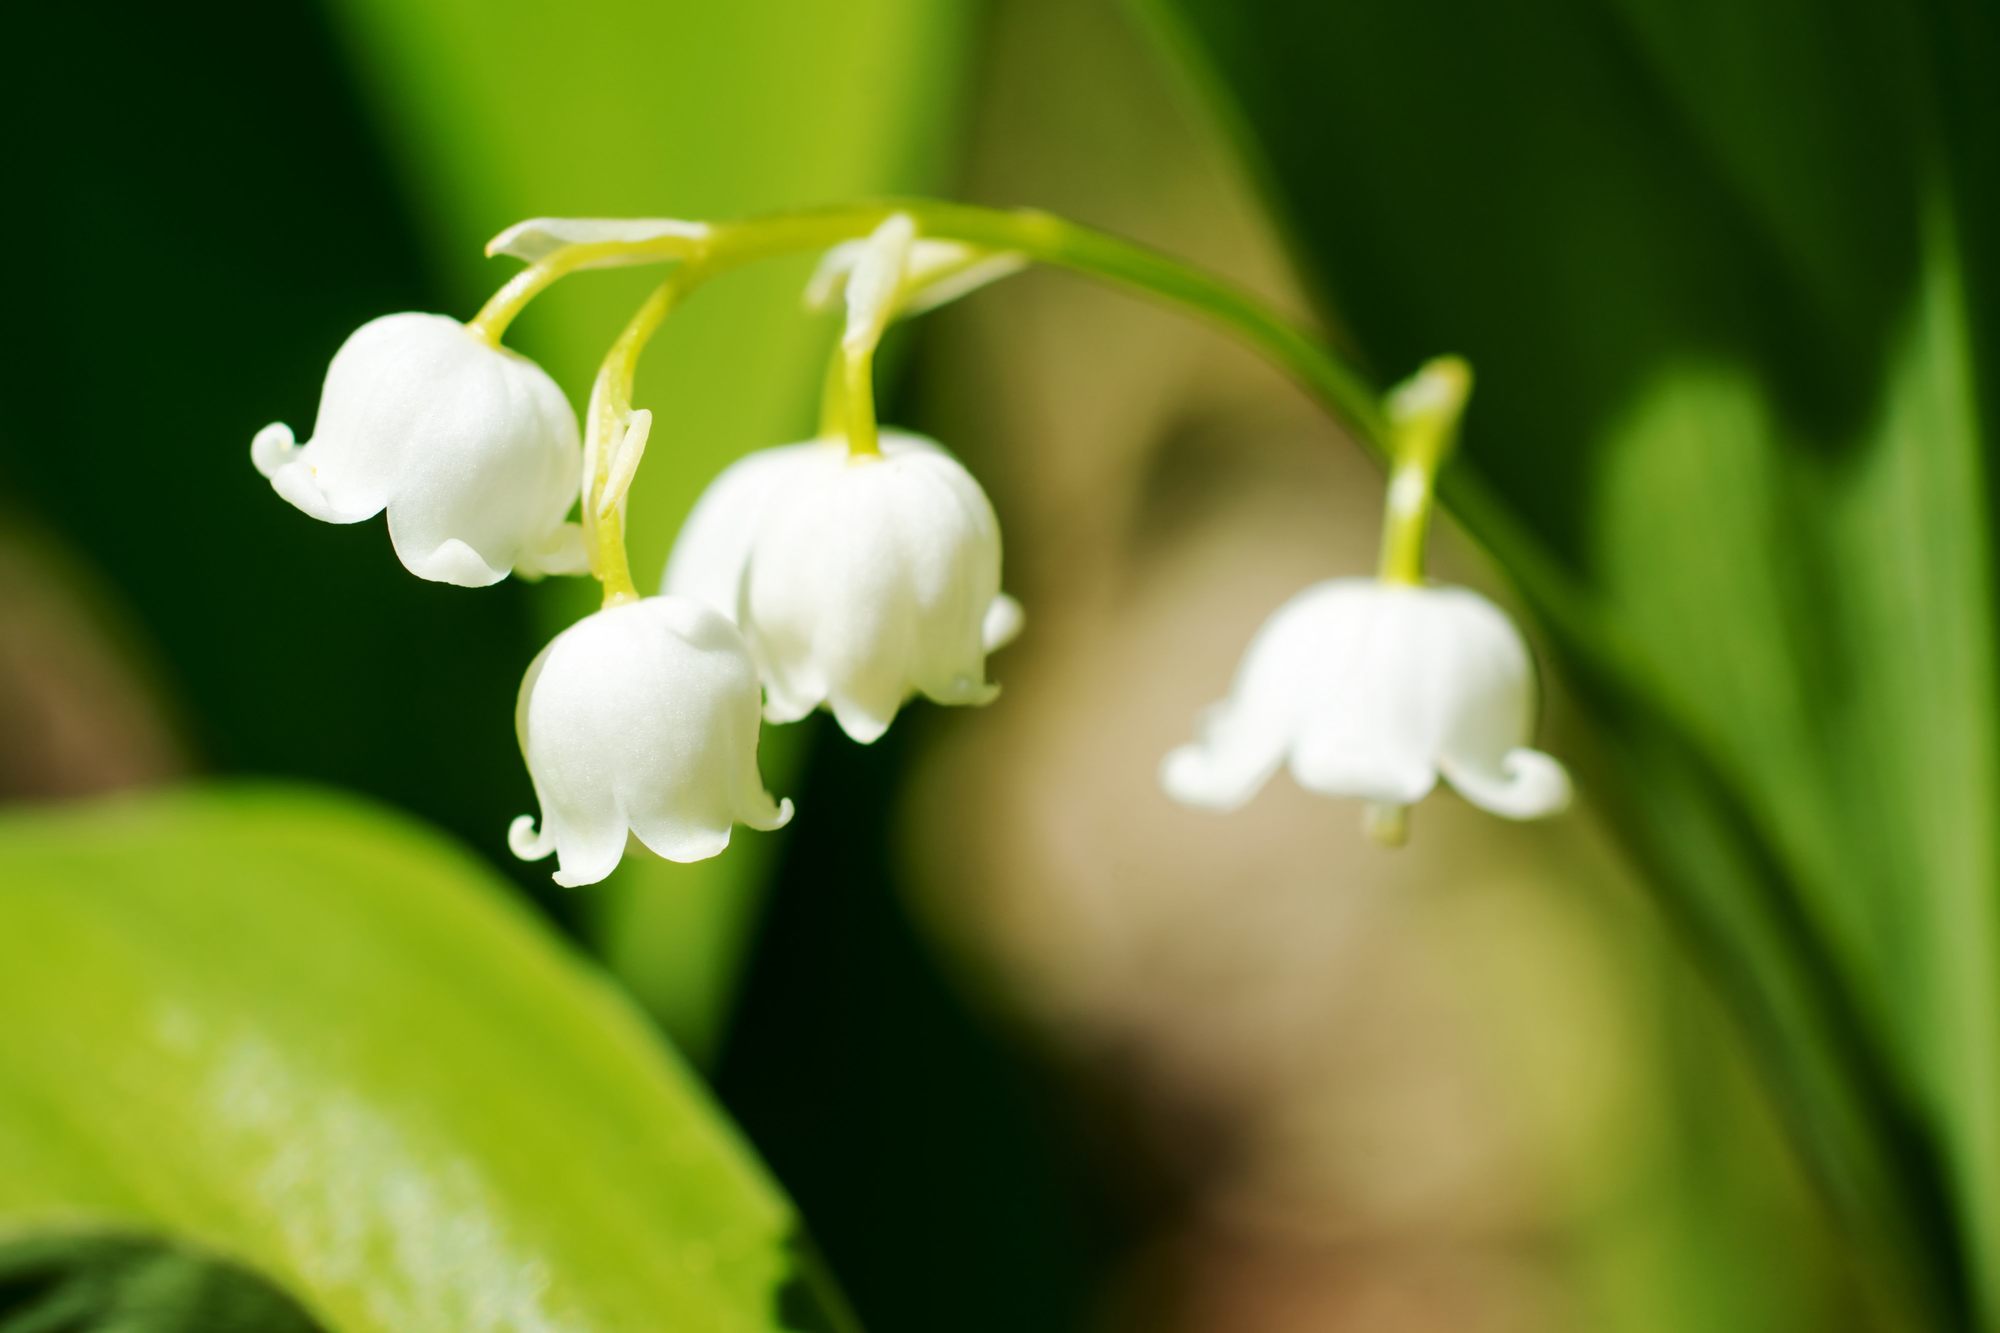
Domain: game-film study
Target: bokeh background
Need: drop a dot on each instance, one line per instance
(1027, 1043)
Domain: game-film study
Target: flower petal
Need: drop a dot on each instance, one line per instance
(526, 843)
(298, 483)
(275, 452)
(1234, 756)
(1003, 623)
(272, 448)
(562, 552)
(1528, 785)
(588, 854)
(449, 561)
(865, 713)
(1337, 766)
(713, 547)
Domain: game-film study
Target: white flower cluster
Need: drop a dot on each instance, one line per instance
(849, 572)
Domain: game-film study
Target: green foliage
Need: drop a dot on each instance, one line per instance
(125, 1284)
(303, 1035)
(634, 108)
(1725, 272)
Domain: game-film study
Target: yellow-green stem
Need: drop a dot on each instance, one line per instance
(857, 387)
(1424, 414)
(833, 394)
(613, 566)
(610, 408)
(514, 295)
(1039, 237)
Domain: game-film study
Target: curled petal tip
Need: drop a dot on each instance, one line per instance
(864, 726)
(1190, 775)
(273, 447)
(526, 843)
(1004, 619)
(780, 709)
(1529, 785)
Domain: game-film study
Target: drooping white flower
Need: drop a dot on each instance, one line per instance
(471, 448)
(641, 718)
(1376, 690)
(857, 580)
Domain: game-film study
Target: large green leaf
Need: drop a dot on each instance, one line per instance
(507, 110)
(1725, 271)
(301, 1033)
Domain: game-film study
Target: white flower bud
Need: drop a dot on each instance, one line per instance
(471, 448)
(857, 581)
(1376, 690)
(541, 238)
(641, 718)
(934, 273)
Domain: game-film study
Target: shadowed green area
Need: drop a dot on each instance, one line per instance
(302, 1034)
(1724, 272)
(129, 1284)
(496, 112)
(217, 236)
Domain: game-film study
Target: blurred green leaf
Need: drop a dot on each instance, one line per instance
(640, 108)
(127, 1284)
(1726, 272)
(304, 1035)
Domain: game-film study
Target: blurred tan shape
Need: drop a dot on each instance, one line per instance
(1378, 1087)
(76, 718)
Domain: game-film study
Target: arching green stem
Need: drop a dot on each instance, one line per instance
(1035, 236)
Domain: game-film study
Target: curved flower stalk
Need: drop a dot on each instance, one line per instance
(857, 581)
(471, 448)
(1376, 688)
(641, 718)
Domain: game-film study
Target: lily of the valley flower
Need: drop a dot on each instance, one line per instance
(857, 581)
(1376, 690)
(641, 719)
(471, 448)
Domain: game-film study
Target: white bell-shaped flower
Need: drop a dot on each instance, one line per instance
(857, 581)
(1376, 690)
(641, 718)
(471, 448)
